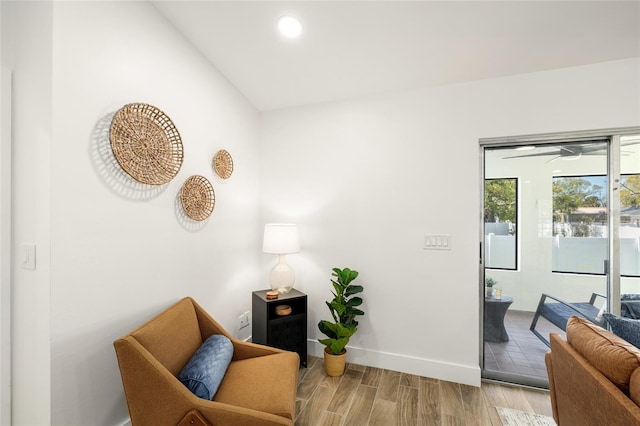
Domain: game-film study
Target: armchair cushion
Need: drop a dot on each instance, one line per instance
(206, 368)
(630, 305)
(628, 329)
(265, 383)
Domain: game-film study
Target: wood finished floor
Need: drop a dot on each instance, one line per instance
(372, 396)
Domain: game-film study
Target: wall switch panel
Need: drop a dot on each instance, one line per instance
(28, 256)
(437, 242)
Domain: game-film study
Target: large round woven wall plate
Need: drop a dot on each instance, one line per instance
(222, 164)
(197, 197)
(146, 143)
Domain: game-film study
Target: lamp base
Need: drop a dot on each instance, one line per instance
(282, 277)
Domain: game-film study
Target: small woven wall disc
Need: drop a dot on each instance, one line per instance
(223, 164)
(146, 144)
(197, 197)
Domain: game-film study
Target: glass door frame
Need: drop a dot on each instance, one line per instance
(613, 136)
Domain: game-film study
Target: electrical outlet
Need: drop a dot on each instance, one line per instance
(244, 320)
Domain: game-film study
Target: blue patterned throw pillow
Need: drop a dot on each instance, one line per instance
(626, 328)
(205, 370)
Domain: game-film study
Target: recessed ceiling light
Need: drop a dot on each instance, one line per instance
(525, 148)
(290, 26)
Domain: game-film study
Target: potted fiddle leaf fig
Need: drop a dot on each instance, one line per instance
(344, 311)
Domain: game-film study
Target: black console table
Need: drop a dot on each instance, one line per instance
(288, 332)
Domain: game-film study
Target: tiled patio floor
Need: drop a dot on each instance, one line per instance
(524, 352)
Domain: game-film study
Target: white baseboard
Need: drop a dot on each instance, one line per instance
(464, 374)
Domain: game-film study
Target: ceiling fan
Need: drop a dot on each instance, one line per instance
(576, 151)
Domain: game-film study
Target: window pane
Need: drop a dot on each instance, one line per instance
(500, 217)
(579, 224)
(630, 225)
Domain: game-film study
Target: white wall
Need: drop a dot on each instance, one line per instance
(118, 251)
(367, 179)
(30, 34)
(6, 60)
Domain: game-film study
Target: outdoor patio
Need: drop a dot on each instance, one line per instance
(524, 352)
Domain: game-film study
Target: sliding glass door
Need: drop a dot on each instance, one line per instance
(551, 244)
(628, 225)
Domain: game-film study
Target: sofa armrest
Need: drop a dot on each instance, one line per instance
(155, 397)
(552, 386)
(582, 394)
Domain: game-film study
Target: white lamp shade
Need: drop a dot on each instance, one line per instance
(281, 238)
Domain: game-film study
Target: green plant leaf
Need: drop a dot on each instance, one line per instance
(354, 301)
(338, 345)
(326, 342)
(338, 335)
(353, 289)
(328, 329)
(338, 307)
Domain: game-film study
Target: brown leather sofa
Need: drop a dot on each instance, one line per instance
(594, 377)
(258, 388)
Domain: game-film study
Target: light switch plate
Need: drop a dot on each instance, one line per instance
(28, 256)
(437, 242)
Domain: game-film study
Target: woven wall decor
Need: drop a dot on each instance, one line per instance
(146, 143)
(197, 197)
(223, 164)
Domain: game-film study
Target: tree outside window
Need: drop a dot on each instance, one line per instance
(500, 200)
(579, 206)
(500, 217)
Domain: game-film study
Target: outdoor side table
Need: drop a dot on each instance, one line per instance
(494, 312)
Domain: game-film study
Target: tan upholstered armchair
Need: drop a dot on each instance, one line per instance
(259, 386)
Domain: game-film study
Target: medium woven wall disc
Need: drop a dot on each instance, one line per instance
(197, 197)
(146, 143)
(223, 164)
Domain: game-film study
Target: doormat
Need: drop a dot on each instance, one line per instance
(512, 417)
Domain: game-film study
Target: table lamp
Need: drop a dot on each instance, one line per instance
(281, 239)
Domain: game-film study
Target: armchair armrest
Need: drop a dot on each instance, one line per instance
(579, 311)
(244, 350)
(559, 312)
(241, 349)
(594, 296)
